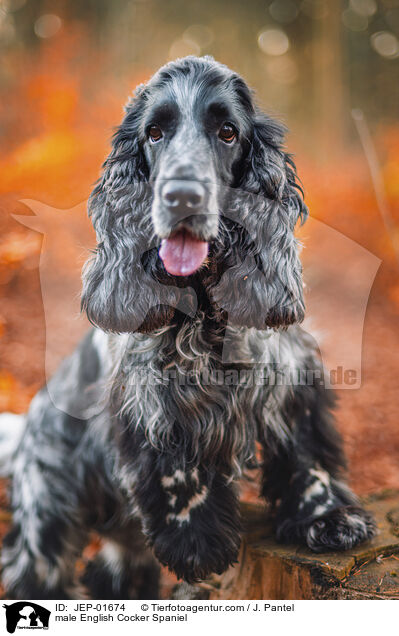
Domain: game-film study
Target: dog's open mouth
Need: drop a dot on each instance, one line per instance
(182, 253)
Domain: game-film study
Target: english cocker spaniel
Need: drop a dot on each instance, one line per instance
(195, 290)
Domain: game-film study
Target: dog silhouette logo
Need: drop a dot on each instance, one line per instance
(26, 615)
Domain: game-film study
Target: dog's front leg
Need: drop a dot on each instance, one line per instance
(200, 534)
(302, 471)
(190, 515)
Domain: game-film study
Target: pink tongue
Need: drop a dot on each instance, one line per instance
(183, 254)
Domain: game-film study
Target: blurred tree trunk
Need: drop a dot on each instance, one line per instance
(329, 89)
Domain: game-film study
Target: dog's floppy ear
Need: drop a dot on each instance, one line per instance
(263, 287)
(120, 289)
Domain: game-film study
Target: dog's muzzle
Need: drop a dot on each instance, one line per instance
(183, 218)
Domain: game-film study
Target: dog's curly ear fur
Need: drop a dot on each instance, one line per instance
(121, 292)
(262, 285)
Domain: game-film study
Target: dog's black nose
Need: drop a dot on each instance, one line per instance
(183, 196)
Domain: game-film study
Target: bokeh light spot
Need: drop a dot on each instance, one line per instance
(363, 7)
(354, 21)
(47, 25)
(273, 42)
(385, 44)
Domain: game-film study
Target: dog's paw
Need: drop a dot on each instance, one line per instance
(194, 555)
(340, 529)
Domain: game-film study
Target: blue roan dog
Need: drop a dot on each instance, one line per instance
(194, 215)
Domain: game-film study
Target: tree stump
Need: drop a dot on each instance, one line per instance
(269, 570)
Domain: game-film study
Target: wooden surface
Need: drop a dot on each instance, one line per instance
(268, 570)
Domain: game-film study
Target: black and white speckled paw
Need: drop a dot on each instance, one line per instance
(340, 529)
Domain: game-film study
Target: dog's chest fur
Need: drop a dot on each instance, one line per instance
(202, 390)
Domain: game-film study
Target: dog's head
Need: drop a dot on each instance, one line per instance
(197, 192)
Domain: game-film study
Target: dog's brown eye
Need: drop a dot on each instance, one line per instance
(155, 133)
(227, 133)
